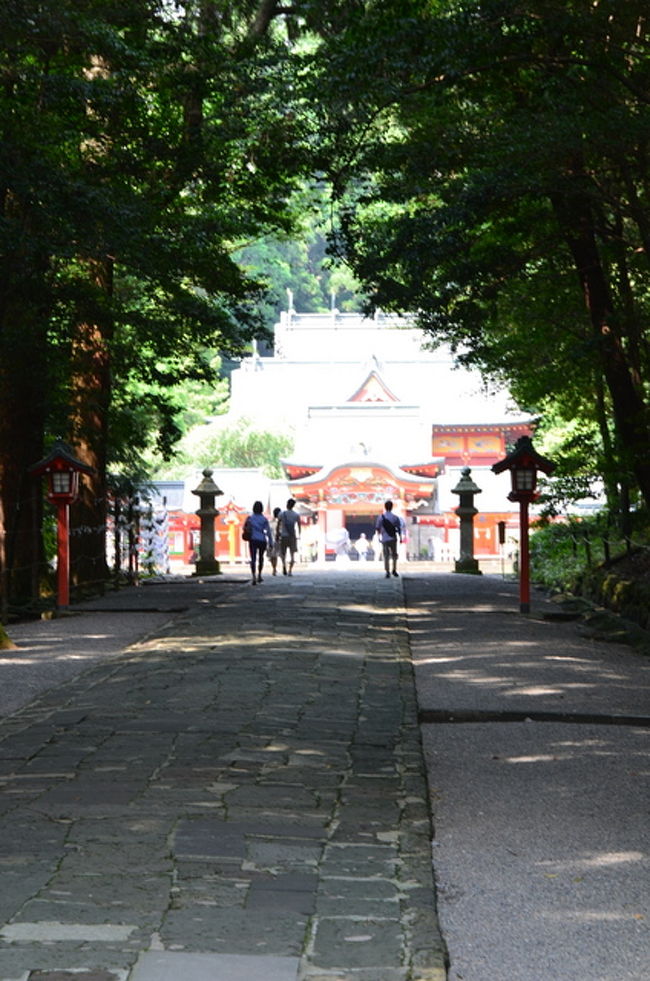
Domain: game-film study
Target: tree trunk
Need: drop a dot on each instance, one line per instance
(27, 372)
(26, 375)
(611, 469)
(90, 402)
(23, 393)
(574, 214)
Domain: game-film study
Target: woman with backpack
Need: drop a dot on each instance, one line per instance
(258, 534)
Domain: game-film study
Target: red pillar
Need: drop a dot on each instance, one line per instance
(63, 554)
(524, 558)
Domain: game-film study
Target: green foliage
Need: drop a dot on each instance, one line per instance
(575, 447)
(557, 554)
(241, 445)
(301, 264)
(563, 553)
(143, 144)
(474, 150)
(162, 412)
(238, 444)
(97, 117)
(6, 642)
(488, 162)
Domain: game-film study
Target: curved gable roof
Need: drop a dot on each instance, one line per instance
(373, 389)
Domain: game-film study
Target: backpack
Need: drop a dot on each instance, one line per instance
(247, 530)
(390, 527)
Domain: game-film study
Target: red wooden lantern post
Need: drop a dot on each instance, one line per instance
(523, 463)
(231, 520)
(62, 469)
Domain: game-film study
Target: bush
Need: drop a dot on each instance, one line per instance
(587, 557)
(560, 552)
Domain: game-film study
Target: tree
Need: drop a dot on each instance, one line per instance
(493, 160)
(236, 444)
(143, 145)
(299, 263)
(241, 445)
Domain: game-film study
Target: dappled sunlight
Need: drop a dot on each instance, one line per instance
(537, 751)
(582, 743)
(366, 608)
(586, 749)
(178, 647)
(471, 678)
(605, 859)
(44, 647)
(604, 747)
(594, 915)
(442, 630)
(268, 643)
(442, 659)
(534, 690)
(567, 658)
(47, 653)
(48, 657)
(513, 662)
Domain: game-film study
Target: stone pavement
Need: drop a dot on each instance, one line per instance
(240, 797)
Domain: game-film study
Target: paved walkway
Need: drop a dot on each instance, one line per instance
(239, 797)
(537, 740)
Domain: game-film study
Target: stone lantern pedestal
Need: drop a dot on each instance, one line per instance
(207, 564)
(466, 489)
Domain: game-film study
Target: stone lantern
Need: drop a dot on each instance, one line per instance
(207, 490)
(466, 489)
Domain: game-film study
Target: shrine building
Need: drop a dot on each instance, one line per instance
(376, 413)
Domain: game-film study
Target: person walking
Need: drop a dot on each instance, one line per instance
(289, 525)
(363, 547)
(274, 549)
(389, 526)
(257, 525)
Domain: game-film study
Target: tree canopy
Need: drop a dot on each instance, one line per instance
(488, 161)
(299, 263)
(491, 159)
(143, 143)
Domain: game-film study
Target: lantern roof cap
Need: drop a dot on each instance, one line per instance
(466, 484)
(524, 454)
(60, 457)
(207, 485)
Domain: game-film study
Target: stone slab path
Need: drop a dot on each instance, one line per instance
(240, 796)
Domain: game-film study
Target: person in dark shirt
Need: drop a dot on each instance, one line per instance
(289, 525)
(389, 526)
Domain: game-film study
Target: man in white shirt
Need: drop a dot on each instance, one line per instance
(389, 526)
